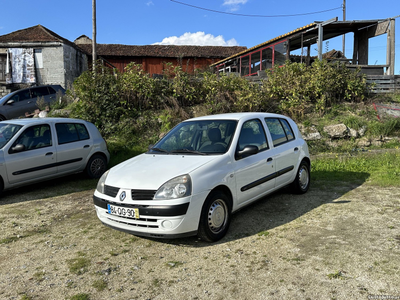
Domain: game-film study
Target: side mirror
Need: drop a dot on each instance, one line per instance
(9, 102)
(247, 151)
(17, 148)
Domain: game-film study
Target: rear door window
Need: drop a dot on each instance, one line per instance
(71, 132)
(39, 92)
(280, 130)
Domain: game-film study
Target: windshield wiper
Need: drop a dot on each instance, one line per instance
(159, 150)
(188, 151)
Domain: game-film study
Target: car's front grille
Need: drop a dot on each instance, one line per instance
(143, 194)
(111, 191)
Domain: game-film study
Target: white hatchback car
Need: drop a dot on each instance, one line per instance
(37, 149)
(203, 170)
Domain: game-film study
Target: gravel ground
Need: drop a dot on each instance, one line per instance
(338, 241)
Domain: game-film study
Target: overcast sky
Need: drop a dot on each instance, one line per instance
(197, 22)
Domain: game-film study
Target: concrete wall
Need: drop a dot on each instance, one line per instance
(61, 65)
(75, 63)
(52, 71)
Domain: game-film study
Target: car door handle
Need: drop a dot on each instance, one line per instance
(269, 159)
(49, 153)
(86, 146)
(296, 149)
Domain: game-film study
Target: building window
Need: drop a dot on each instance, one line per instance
(280, 54)
(266, 58)
(255, 62)
(38, 58)
(245, 64)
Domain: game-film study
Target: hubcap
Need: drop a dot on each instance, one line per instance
(303, 178)
(97, 166)
(217, 216)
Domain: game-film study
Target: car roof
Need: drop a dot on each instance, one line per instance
(30, 121)
(237, 116)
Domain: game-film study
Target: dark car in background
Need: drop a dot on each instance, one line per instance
(20, 102)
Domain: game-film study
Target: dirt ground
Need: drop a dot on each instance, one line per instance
(338, 241)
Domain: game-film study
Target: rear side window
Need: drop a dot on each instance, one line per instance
(71, 132)
(39, 91)
(280, 130)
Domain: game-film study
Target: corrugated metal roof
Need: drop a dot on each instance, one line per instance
(331, 30)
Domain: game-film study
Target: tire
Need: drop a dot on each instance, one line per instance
(301, 183)
(2, 118)
(96, 166)
(215, 217)
(1, 186)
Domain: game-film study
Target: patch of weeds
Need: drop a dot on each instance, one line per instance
(39, 276)
(134, 239)
(263, 233)
(174, 264)
(354, 122)
(156, 282)
(81, 296)
(337, 275)
(25, 297)
(9, 239)
(112, 253)
(78, 265)
(100, 285)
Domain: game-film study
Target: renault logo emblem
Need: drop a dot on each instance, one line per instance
(122, 196)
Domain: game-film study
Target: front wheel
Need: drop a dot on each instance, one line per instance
(215, 217)
(96, 166)
(301, 182)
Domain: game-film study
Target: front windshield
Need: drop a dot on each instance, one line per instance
(7, 131)
(198, 137)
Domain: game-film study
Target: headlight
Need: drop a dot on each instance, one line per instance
(177, 187)
(101, 183)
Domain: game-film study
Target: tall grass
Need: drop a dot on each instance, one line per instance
(379, 168)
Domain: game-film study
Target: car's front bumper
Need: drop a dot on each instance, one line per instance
(166, 220)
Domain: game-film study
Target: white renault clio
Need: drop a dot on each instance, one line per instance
(202, 171)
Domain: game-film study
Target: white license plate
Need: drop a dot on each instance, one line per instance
(132, 213)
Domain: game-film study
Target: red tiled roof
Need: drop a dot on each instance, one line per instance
(36, 33)
(163, 50)
(41, 34)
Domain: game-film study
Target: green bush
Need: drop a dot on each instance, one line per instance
(137, 108)
(300, 89)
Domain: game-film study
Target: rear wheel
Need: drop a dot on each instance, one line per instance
(2, 118)
(301, 183)
(96, 166)
(1, 186)
(215, 217)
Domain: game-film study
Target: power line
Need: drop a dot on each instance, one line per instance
(255, 16)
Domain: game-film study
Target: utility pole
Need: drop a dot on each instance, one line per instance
(94, 53)
(344, 19)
